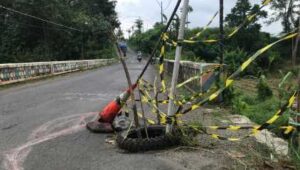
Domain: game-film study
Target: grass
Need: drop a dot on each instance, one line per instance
(259, 111)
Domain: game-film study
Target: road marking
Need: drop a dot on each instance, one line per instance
(14, 158)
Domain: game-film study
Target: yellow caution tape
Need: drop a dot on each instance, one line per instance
(161, 68)
(197, 77)
(151, 122)
(231, 78)
(266, 2)
(205, 28)
(248, 19)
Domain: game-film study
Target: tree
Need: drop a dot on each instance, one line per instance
(139, 26)
(190, 10)
(129, 33)
(25, 39)
(175, 26)
(288, 12)
(248, 37)
(120, 34)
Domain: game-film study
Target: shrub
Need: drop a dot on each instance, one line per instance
(263, 90)
(259, 111)
(234, 59)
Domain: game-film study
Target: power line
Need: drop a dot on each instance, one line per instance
(40, 19)
(24, 25)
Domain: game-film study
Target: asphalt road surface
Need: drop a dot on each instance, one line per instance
(42, 126)
(42, 123)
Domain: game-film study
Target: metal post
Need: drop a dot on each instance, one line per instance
(171, 105)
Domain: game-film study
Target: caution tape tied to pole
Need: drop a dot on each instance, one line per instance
(205, 28)
(161, 67)
(229, 81)
(151, 102)
(247, 20)
(287, 130)
(147, 99)
(198, 76)
(256, 129)
(150, 121)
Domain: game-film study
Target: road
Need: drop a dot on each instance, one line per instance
(42, 123)
(42, 126)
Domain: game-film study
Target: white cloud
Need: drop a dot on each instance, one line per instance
(149, 12)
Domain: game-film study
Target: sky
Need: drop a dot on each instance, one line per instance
(149, 11)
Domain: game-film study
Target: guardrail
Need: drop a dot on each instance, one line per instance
(190, 69)
(16, 72)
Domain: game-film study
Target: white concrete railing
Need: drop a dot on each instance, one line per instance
(190, 69)
(16, 72)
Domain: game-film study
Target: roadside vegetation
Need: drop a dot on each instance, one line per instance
(85, 33)
(263, 87)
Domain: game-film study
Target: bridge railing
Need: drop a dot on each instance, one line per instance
(15, 72)
(190, 69)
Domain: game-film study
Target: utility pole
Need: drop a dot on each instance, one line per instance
(221, 45)
(295, 51)
(161, 12)
(171, 105)
(294, 62)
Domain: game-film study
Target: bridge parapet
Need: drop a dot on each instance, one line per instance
(190, 69)
(16, 72)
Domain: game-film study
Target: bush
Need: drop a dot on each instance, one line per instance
(234, 59)
(259, 111)
(239, 106)
(263, 90)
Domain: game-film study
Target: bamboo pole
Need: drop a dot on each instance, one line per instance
(156, 92)
(143, 114)
(134, 108)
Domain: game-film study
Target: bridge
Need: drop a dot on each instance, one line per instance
(42, 123)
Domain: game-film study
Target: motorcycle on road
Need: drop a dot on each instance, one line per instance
(139, 56)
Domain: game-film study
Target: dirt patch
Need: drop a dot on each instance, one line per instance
(219, 154)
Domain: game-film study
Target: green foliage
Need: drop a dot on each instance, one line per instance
(247, 38)
(202, 51)
(239, 105)
(237, 49)
(263, 90)
(228, 95)
(234, 59)
(146, 41)
(287, 12)
(24, 39)
(259, 111)
(139, 26)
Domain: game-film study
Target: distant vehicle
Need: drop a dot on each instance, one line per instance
(139, 56)
(123, 47)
